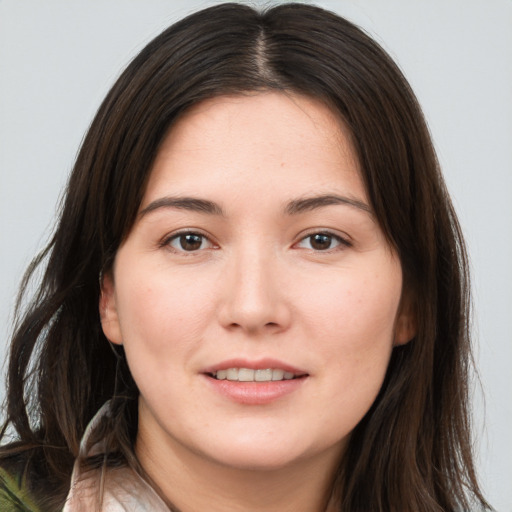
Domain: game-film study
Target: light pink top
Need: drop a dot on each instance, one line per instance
(124, 489)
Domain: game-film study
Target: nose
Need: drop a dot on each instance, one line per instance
(254, 299)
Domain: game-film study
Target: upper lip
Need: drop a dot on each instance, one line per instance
(255, 364)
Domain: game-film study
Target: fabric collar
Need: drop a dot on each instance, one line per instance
(124, 490)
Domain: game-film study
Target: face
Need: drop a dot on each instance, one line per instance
(256, 297)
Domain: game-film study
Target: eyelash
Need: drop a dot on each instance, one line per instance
(342, 242)
(167, 242)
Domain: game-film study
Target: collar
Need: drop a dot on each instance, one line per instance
(124, 490)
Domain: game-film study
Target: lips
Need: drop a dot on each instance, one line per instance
(251, 375)
(262, 370)
(254, 382)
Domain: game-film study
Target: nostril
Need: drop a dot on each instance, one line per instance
(239, 313)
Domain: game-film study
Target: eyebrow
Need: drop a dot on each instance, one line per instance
(312, 203)
(192, 204)
(295, 207)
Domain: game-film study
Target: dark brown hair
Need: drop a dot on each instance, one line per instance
(412, 450)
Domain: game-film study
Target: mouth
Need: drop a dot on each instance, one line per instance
(252, 375)
(255, 382)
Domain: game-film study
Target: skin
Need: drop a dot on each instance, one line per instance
(256, 285)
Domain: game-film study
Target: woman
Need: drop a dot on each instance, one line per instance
(257, 288)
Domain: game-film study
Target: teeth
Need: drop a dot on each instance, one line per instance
(277, 374)
(232, 374)
(263, 375)
(250, 375)
(245, 375)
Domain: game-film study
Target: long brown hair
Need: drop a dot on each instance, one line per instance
(412, 450)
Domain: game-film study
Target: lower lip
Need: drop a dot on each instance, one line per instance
(255, 393)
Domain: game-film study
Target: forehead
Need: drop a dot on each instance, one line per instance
(257, 142)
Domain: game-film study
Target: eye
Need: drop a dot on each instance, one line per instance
(322, 242)
(189, 242)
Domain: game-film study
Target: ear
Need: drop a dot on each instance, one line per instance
(108, 310)
(406, 324)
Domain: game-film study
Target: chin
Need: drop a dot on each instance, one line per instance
(257, 454)
(256, 460)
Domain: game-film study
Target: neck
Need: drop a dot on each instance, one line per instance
(193, 483)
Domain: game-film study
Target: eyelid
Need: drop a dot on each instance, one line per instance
(167, 239)
(344, 240)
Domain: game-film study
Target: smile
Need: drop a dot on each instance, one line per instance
(250, 375)
(255, 382)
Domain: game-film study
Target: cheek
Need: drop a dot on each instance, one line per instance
(353, 332)
(351, 322)
(159, 313)
(354, 306)
(162, 326)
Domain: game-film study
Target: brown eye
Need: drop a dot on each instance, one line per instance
(322, 242)
(188, 242)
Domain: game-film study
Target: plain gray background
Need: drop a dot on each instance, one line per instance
(59, 57)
